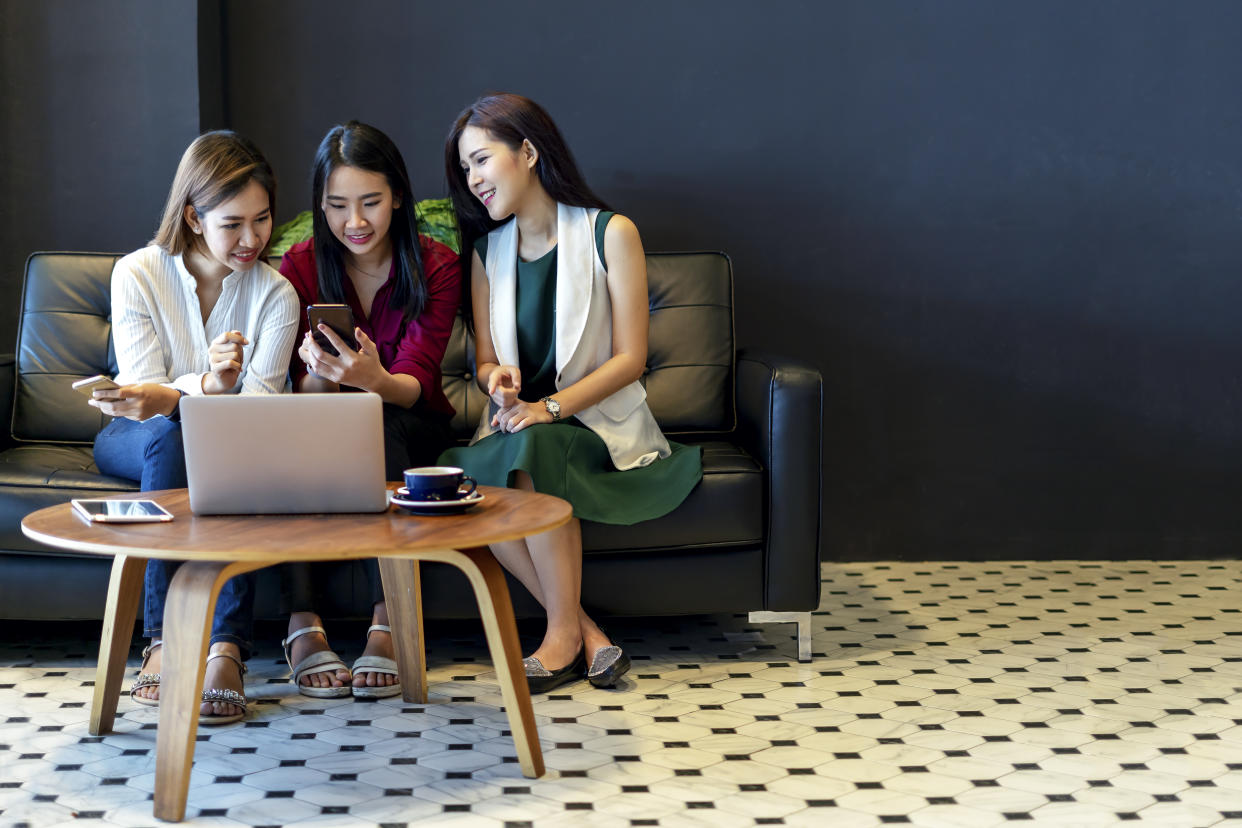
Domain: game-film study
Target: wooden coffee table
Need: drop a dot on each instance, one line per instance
(216, 548)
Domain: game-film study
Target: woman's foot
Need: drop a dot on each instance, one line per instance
(593, 639)
(557, 651)
(378, 652)
(559, 660)
(308, 644)
(223, 674)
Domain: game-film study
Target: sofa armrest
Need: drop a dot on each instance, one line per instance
(780, 421)
(8, 383)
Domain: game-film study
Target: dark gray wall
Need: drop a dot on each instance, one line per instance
(1006, 233)
(97, 101)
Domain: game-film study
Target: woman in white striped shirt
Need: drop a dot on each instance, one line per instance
(198, 311)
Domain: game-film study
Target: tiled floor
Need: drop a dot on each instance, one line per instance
(1052, 694)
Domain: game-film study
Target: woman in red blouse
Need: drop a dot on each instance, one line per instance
(404, 290)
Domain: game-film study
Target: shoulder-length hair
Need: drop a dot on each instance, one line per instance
(511, 119)
(215, 167)
(359, 145)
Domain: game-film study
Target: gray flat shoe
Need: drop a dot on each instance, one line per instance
(607, 665)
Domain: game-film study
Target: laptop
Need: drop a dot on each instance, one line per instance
(272, 454)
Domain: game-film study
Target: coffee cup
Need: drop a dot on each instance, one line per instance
(438, 483)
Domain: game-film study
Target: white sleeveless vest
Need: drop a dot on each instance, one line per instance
(583, 334)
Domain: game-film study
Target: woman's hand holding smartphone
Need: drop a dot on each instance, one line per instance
(97, 383)
(352, 360)
(337, 317)
(137, 402)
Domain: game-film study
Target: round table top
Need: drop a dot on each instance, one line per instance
(504, 514)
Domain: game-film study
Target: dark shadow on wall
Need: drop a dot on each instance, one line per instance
(99, 101)
(27, 118)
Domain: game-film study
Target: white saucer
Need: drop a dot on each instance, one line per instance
(438, 507)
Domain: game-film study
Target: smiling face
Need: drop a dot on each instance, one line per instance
(498, 175)
(235, 231)
(358, 206)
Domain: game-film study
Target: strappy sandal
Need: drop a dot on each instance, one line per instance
(224, 696)
(146, 679)
(323, 661)
(376, 664)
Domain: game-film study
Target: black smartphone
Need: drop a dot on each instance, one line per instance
(337, 317)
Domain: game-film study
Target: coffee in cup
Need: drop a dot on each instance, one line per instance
(438, 483)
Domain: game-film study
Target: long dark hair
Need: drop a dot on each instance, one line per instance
(359, 145)
(510, 119)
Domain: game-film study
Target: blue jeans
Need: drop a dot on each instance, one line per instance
(151, 453)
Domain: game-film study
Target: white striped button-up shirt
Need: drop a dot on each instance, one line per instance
(158, 330)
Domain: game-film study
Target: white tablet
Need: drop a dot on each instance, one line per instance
(121, 511)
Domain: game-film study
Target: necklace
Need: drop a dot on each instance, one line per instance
(366, 273)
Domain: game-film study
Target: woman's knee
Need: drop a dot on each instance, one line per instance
(163, 436)
(521, 480)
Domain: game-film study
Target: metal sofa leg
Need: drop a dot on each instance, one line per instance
(802, 619)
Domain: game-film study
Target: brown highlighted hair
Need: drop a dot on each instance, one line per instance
(215, 167)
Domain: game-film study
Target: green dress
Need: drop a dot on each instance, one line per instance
(566, 458)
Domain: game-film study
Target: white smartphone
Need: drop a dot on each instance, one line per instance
(99, 382)
(121, 511)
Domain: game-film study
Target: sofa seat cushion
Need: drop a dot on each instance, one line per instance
(58, 467)
(725, 509)
(35, 475)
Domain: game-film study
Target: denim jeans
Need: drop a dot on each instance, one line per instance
(151, 453)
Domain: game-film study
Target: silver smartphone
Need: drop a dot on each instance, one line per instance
(121, 511)
(98, 382)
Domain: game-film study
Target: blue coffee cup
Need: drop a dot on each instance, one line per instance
(438, 483)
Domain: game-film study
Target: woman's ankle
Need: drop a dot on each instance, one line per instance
(226, 647)
(379, 614)
(300, 620)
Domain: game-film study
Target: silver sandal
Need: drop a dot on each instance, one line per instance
(146, 679)
(376, 664)
(225, 697)
(323, 661)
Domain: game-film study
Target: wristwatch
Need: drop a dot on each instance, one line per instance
(553, 407)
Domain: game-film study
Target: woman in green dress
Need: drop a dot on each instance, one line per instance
(558, 291)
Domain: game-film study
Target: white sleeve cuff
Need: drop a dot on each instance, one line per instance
(191, 384)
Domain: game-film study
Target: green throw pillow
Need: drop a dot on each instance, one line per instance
(435, 218)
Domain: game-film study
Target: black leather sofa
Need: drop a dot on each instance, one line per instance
(746, 540)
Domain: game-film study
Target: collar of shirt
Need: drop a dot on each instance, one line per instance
(187, 278)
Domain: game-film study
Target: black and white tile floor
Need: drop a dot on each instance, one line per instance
(941, 694)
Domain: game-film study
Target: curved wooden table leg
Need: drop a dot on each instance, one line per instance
(187, 630)
(124, 591)
(492, 592)
(402, 596)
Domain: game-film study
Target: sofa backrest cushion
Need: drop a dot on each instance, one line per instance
(690, 348)
(65, 334)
